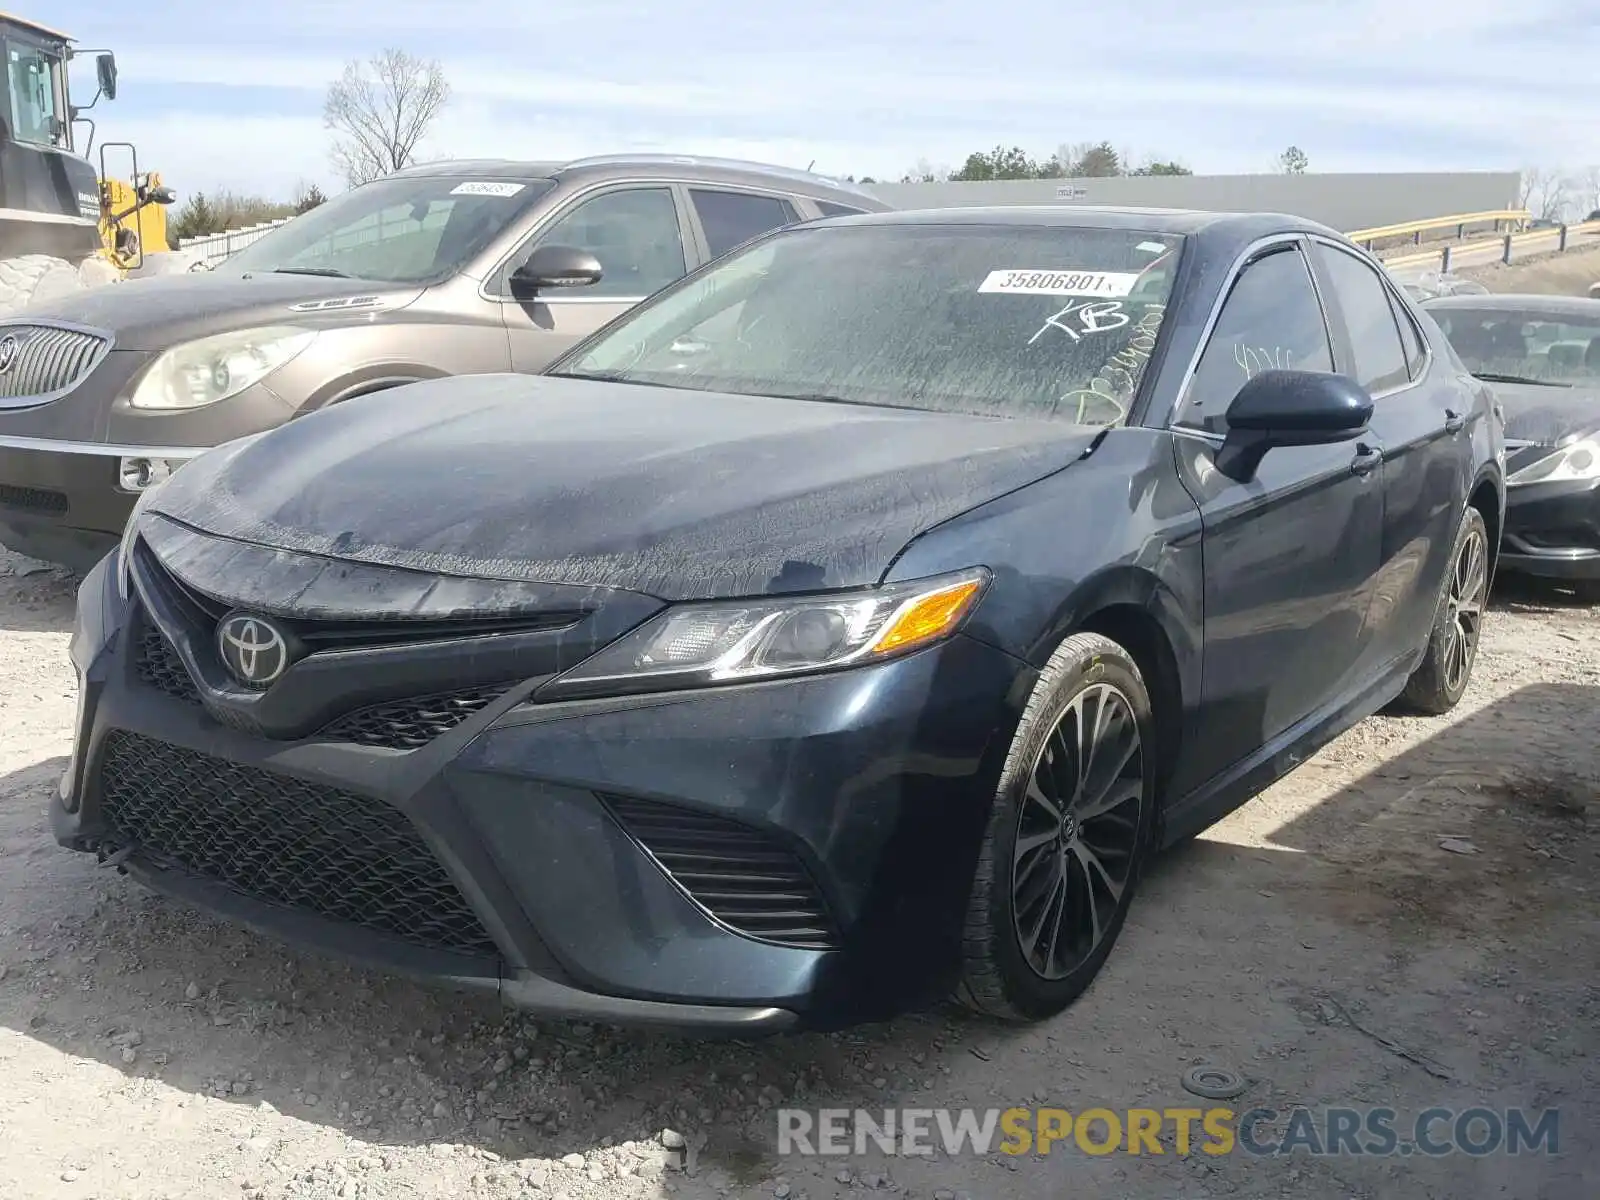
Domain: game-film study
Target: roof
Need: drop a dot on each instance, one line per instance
(12, 19)
(689, 166)
(1222, 226)
(1577, 306)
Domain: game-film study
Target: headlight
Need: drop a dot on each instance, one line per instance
(213, 368)
(124, 581)
(696, 645)
(1578, 459)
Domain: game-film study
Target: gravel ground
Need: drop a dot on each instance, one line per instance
(1321, 941)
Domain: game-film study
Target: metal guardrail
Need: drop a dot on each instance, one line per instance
(1458, 221)
(1561, 235)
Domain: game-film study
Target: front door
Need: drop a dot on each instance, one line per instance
(637, 233)
(1290, 557)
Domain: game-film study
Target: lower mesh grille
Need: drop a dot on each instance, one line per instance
(33, 500)
(746, 879)
(412, 723)
(277, 839)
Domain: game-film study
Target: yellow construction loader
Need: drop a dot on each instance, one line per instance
(63, 225)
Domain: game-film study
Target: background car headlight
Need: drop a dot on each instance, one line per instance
(695, 645)
(213, 368)
(1578, 459)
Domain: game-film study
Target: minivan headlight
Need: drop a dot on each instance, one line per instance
(213, 368)
(697, 645)
(1578, 459)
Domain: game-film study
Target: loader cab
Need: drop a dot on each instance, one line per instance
(38, 109)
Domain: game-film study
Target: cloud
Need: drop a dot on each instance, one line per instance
(1366, 84)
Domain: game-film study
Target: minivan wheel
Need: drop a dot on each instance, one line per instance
(1441, 678)
(1067, 836)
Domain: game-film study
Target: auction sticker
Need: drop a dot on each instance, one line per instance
(1061, 283)
(486, 188)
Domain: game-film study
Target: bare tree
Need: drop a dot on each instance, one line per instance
(1544, 193)
(380, 110)
(1293, 161)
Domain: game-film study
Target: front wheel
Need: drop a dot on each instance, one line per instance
(1067, 836)
(1441, 678)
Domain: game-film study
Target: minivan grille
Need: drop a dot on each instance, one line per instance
(745, 878)
(46, 359)
(280, 840)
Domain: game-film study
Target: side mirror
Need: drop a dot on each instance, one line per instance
(162, 195)
(1290, 408)
(555, 267)
(105, 69)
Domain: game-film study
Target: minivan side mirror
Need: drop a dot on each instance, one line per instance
(105, 69)
(1290, 408)
(555, 267)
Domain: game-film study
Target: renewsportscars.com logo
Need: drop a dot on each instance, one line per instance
(1317, 1132)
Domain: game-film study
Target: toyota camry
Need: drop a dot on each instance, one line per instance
(843, 628)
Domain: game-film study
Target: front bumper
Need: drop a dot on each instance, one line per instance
(62, 501)
(1553, 530)
(566, 833)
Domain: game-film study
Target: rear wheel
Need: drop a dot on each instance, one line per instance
(1587, 590)
(35, 278)
(1067, 836)
(1439, 681)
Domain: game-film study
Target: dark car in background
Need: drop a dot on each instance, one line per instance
(844, 626)
(1542, 355)
(441, 269)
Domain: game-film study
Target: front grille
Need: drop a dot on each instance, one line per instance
(746, 879)
(283, 841)
(32, 500)
(413, 723)
(158, 665)
(47, 359)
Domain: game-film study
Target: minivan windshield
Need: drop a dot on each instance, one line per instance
(1501, 342)
(991, 320)
(404, 229)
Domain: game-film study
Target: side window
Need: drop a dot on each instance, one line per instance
(634, 232)
(1410, 339)
(732, 218)
(1271, 320)
(829, 209)
(33, 96)
(1369, 318)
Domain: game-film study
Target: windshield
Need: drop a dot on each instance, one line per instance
(1561, 348)
(398, 230)
(988, 320)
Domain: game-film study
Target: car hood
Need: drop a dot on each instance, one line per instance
(1544, 415)
(677, 493)
(160, 311)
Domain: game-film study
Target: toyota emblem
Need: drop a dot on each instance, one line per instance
(253, 649)
(9, 346)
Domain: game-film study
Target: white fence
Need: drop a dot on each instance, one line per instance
(214, 247)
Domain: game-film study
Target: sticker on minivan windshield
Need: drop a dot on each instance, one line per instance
(1060, 283)
(487, 188)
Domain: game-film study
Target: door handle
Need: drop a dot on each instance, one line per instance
(1454, 422)
(1366, 460)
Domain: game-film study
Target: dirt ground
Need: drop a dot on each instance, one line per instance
(1321, 941)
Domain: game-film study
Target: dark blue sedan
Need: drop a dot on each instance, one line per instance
(843, 628)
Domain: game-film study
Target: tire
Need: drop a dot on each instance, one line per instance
(1586, 590)
(1001, 978)
(35, 278)
(1440, 680)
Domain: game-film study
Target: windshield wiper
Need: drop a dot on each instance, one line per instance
(1493, 377)
(325, 272)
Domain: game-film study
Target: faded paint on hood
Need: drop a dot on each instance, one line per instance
(1544, 415)
(676, 493)
(165, 310)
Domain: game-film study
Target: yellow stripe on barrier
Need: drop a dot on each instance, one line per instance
(1413, 227)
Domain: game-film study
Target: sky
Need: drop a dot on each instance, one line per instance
(230, 95)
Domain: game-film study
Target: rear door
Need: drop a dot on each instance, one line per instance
(1290, 557)
(1420, 417)
(640, 234)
